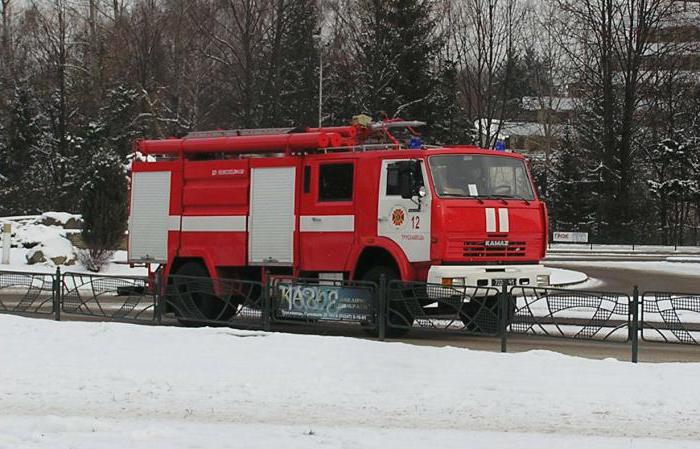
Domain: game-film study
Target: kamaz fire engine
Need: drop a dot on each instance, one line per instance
(355, 202)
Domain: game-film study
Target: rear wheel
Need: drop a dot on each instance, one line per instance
(400, 319)
(193, 298)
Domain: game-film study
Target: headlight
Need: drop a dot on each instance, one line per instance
(542, 279)
(453, 282)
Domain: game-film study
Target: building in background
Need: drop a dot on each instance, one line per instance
(674, 52)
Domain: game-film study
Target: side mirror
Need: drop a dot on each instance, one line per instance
(406, 185)
(409, 176)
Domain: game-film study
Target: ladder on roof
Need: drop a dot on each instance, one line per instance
(272, 131)
(238, 132)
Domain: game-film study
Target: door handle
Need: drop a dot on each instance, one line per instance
(315, 219)
(382, 219)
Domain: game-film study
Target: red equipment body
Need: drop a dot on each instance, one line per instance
(326, 203)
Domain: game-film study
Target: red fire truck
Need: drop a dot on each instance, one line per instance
(339, 203)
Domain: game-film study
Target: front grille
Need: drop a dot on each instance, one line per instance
(479, 249)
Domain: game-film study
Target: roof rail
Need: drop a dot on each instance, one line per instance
(238, 132)
(397, 124)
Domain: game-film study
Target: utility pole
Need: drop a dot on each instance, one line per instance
(320, 83)
(319, 39)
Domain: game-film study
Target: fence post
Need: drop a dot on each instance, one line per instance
(6, 242)
(267, 303)
(57, 293)
(159, 296)
(634, 325)
(504, 305)
(382, 302)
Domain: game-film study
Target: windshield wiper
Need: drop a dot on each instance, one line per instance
(459, 195)
(503, 197)
(497, 196)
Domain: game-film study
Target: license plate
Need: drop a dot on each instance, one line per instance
(501, 282)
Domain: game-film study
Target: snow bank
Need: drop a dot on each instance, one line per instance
(59, 218)
(566, 248)
(686, 268)
(40, 243)
(561, 277)
(113, 385)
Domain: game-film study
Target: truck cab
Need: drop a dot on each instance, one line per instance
(450, 216)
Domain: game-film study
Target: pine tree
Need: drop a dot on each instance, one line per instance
(449, 124)
(117, 118)
(392, 68)
(103, 202)
(571, 200)
(290, 83)
(674, 185)
(19, 145)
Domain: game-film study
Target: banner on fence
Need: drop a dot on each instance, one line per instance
(325, 302)
(570, 237)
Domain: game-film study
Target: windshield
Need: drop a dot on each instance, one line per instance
(471, 175)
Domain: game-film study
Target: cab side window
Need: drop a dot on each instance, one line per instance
(393, 187)
(335, 182)
(393, 180)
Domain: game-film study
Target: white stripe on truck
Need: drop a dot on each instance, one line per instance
(327, 223)
(490, 219)
(227, 223)
(503, 224)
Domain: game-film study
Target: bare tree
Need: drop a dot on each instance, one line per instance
(5, 42)
(548, 79)
(6, 59)
(484, 43)
(611, 39)
(236, 29)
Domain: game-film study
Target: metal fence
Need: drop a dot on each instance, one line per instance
(384, 309)
(570, 314)
(671, 317)
(195, 301)
(467, 310)
(27, 293)
(113, 298)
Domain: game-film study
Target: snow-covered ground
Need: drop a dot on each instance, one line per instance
(50, 233)
(106, 385)
(631, 249)
(682, 268)
(561, 277)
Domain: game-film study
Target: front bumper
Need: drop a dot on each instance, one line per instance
(489, 276)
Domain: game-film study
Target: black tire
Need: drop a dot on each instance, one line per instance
(480, 315)
(400, 319)
(194, 301)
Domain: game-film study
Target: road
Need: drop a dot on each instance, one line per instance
(623, 278)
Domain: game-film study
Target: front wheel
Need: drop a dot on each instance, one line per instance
(480, 315)
(399, 318)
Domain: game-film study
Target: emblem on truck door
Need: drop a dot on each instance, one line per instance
(398, 217)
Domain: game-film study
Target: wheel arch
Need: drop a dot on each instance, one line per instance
(381, 253)
(198, 257)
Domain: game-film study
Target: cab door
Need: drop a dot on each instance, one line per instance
(327, 214)
(406, 221)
